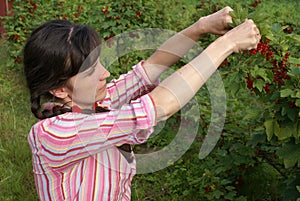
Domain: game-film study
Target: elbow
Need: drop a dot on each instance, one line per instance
(163, 114)
(166, 104)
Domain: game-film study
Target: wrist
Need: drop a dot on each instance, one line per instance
(202, 26)
(193, 32)
(219, 50)
(228, 43)
(196, 30)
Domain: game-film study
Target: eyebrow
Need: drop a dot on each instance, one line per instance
(89, 71)
(89, 62)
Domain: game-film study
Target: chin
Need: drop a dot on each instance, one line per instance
(100, 97)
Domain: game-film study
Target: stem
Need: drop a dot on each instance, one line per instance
(118, 52)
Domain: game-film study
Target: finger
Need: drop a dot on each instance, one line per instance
(223, 32)
(228, 9)
(250, 21)
(256, 30)
(258, 38)
(228, 19)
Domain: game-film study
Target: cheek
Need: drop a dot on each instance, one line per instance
(84, 86)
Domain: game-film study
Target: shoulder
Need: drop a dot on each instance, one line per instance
(62, 125)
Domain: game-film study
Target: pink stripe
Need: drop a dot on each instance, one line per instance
(109, 179)
(94, 178)
(102, 184)
(78, 163)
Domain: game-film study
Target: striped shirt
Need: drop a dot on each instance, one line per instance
(75, 155)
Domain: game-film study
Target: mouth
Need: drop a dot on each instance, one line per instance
(103, 87)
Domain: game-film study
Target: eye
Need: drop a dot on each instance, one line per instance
(90, 70)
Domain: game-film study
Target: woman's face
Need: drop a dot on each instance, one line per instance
(89, 86)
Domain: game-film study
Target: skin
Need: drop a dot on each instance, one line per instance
(90, 81)
(245, 36)
(215, 23)
(80, 88)
(242, 37)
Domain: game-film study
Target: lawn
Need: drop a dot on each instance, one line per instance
(16, 179)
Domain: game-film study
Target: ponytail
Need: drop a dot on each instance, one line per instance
(43, 113)
(35, 106)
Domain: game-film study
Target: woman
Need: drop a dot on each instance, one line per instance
(81, 145)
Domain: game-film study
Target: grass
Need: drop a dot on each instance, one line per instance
(16, 178)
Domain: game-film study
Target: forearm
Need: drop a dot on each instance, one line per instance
(172, 50)
(175, 91)
(177, 46)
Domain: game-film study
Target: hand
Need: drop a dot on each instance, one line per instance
(243, 37)
(216, 23)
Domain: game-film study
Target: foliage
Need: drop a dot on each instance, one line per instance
(257, 156)
(273, 80)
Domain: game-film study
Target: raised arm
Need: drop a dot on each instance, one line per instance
(179, 44)
(176, 90)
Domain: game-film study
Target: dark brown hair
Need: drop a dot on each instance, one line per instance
(55, 52)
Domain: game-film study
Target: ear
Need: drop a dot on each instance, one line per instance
(59, 93)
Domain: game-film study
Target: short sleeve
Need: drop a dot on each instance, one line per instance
(135, 120)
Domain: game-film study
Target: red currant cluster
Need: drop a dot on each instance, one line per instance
(279, 69)
(255, 3)
(105, 10)
(264, 49)
(109, 40)
(249, 82)
(34, 7)
(267, 88)
(289, 30)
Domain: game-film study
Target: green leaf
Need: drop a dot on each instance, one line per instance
(294, 60)
(294, 71)
(297, 103)
(277, 129)
(269, 125)
(288, 130)
(259, 138)
(242, 198)
(290, 153)
(251, 114)
(259, 72)
(259, 84)
(218, 194)
(286, 93)
(294, 37)
(276, 27)
(291, 113)
(2, 150)
(283, 111)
